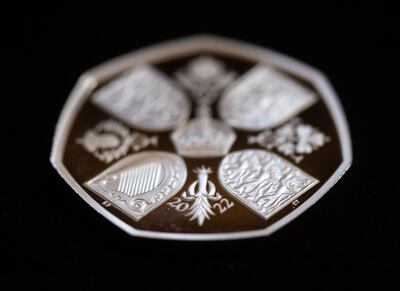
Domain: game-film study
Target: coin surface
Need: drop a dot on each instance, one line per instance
(202, 138)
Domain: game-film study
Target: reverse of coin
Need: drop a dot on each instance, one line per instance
(202, 138)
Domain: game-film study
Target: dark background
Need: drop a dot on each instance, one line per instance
(51, 237)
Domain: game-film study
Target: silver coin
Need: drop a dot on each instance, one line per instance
(203, 138)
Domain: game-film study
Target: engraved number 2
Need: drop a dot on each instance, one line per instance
(296, 202)
(224, 208)
(179, 205)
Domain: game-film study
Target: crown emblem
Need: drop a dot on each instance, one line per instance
(203, 137)
(204, 78)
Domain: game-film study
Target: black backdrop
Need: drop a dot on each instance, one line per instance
(52, 237)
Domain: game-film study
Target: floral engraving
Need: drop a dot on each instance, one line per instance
(293, 139)
(110, 140)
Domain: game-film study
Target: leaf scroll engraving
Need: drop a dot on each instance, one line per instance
(201, 200)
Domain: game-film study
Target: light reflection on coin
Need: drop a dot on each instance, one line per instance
(139, 95)
(205, 138)
(139, 183)
(263, 98)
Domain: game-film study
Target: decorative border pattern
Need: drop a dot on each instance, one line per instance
(157, 53)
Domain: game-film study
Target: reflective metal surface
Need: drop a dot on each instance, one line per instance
(202, 138)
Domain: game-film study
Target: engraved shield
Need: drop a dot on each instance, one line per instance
(202, 138)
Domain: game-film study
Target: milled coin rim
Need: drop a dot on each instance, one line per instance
(181, 47)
